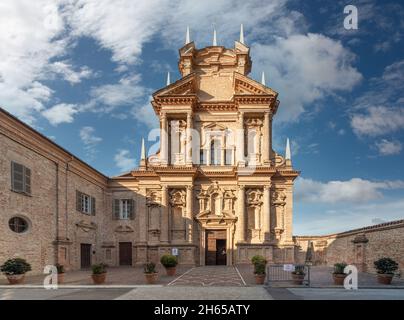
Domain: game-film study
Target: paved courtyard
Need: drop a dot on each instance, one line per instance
(210, 276)
(198, 283)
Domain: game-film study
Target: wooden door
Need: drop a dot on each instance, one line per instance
(125, 253)
(221, 252)
(85, 255)
(215, 247)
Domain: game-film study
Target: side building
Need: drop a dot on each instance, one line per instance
(52, 204)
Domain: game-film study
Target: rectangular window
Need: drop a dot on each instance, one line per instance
(123, 209)
(202, 157)
(229, 157)
(85, 203)
(20, 178)
(108, 254)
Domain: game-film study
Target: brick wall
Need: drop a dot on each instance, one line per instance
(360, 247)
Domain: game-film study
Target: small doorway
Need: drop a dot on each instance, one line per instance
(85, 255)
(125, 253)
(216, 253)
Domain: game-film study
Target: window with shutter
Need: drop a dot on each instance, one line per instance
(78, 201)
(27, 180)
(92, 206)
(116, 209)
(132, 210)
(17, 177)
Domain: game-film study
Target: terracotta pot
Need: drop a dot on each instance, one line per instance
(61, 278)
(99, 278)
(15, 278)
(339, 278)
(384, 278)
(151, 278)
(259, 278)
(298, 278)
(171, 271)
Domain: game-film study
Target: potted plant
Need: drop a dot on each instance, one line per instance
(259, 263)
(61, 273)
(385, 270)
(150, 272)
(338, 275)
(15, 270)
(169, 262)
(99, 273)
(299, 274)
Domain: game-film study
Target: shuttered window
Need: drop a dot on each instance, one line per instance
(85, 203)
(20, 178)
(123, 209)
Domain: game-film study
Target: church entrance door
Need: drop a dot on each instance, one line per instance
(216, 252)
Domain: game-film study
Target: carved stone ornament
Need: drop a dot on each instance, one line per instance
(153, 198)
(278, 198)
(178, 198)
(254, 197)
(85, 226)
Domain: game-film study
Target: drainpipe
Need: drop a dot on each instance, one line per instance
(57, 214)
(66, 201)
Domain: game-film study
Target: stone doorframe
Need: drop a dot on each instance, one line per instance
(207, 223)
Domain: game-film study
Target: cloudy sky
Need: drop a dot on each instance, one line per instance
(82, 72)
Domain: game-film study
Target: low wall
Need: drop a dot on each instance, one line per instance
(360, 247)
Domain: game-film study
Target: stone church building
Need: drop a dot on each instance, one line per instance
(216, 191)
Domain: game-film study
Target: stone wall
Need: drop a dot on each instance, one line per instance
(360, 246)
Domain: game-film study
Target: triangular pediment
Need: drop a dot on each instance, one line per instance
(247, 86)
(183, 86)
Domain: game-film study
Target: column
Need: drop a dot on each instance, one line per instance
(189, 214)
(241, 214)
(188, 146)
(222, 151)
(240, 140)
(164, 139)
(267, 214)
(164, 215)
(142, 210)
(266, 152)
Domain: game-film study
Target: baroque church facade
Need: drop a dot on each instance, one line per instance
(215, 192)
(216, 189)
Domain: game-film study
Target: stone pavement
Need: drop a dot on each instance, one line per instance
(342, 294)
(115, 276)
(210, 276)
(197, 293)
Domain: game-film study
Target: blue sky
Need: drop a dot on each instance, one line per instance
(82, 72)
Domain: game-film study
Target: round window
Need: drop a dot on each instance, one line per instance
(18, 224)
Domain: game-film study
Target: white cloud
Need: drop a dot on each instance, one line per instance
(379, 110)
(125, 26)
(90, 141)
(387, 148)
(123, 160)
(106, 98)
(60, 113)
(378, 121)
(29, 38)
(355, 190)
(305, 68)
(88, 137)
(145, 114)
(67, 72)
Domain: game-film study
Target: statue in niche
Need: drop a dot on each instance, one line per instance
(278, 203)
